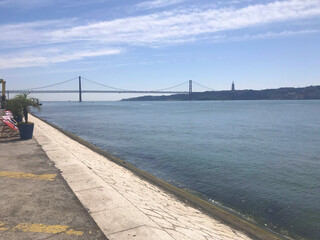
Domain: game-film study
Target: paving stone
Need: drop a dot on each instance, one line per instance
(121, 203)
(121, 219)
(142, 233)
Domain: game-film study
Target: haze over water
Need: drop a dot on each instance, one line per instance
(259, 158)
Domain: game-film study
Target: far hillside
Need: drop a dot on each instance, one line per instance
(311, 92)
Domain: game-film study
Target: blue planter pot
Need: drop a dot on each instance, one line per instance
(18, 119)
(26, 131)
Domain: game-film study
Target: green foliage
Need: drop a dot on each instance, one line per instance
(20, 105)
(16, 109)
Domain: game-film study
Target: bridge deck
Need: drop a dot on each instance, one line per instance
(93, 91)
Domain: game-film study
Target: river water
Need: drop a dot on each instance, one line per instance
(259, 158)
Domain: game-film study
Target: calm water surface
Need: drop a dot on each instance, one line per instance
(259, 158)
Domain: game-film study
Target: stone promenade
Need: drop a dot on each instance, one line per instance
(123, 205)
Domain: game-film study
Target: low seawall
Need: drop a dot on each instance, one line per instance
(183, 219)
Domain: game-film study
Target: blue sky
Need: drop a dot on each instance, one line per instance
(148, 45)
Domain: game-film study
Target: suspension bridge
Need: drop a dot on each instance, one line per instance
(80, 91)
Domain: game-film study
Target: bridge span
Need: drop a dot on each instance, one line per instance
(92, 91)
(80, 91)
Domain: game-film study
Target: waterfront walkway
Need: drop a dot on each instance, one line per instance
(123, 205)
(53, 187)
(36, 202)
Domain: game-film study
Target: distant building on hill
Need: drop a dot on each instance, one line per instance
(232, 86)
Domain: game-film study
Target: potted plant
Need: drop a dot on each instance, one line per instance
(16, 109)
(23, 103)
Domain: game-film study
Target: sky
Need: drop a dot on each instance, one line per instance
(155, 44)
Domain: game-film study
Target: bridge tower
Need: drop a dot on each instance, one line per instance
(80, 92)
(190, 87)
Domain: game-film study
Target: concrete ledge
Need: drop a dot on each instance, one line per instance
(236, 222)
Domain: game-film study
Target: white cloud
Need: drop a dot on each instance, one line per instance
(181, 25)
(265, 35)
(234, 2)
(276, 34)
(158, 3)
(31, 33)
(168, 27)
(49, 56)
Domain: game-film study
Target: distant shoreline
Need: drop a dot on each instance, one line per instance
(304, 93)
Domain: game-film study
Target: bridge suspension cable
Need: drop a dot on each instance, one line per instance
(69, 80)
(119, 89)
(114, 89)
(202, 86)
(164, 89)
